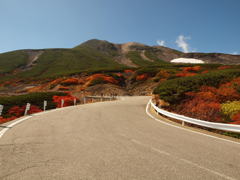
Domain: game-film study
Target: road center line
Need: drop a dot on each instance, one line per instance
(182, 160)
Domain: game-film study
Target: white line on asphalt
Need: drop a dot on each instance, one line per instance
(5, 129)
(181, 159)
(2, 132)
(149, 114)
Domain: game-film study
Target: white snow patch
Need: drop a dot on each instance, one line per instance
(188, 60)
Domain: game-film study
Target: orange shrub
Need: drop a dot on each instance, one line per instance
(204, 72)
(56, 81)
(185, 74)
(200, 109)
(70, 81)
(105, 78)
(236, 118)
(194, 68)
(68, 100)
(142, 77)
(227, 94)
(223, 67)
(63, 88)
(128, 71)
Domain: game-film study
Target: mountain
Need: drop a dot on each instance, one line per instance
(95, 55)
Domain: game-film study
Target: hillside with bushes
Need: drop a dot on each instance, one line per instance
(212, 96)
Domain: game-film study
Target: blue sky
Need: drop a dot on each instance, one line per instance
(196, 25)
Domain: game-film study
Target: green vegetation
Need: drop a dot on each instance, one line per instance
(96, 81)
(53, 63)
(153, 56)
(33, 98)
(12, 60)
(173, 91)
(138, 60)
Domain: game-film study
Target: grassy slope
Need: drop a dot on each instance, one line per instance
(57, 62)
(12, 60)
(69, 61)
(138, 60)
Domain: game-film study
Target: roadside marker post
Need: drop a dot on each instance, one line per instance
(84, 100)
(27, 109)
(44, 105)
(75, 101)
(183, 123)
(62, 102)
(1, 109)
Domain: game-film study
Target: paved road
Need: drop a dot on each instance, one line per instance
(112, 140)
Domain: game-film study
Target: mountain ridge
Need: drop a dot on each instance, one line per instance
(96, 54)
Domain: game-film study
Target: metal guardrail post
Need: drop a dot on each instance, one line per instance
(183, 123)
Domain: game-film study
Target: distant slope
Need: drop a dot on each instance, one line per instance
(94, 55)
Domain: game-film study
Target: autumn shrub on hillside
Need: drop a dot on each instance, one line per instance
(189, 71)
(185, 74)
(32, 98)
(231, 108)
(223, 67)
(18, 111)
(202, 105)
(236, 119)
(3, 120)
(101, 78)
(128, 71)
(174, 90)
(200, 109)
(70, 81)
(142, 77)
(68, 100)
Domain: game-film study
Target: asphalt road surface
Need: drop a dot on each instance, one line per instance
(112, 140)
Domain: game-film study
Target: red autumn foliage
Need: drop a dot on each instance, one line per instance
(223, 67)
(142, 77)
(227, 94)
(236, 119)
(70, 81)
(185, 74)
(18, 111)
(205, 96)
(201, 109)
(189, 69)
(119, 74)
(204, 72)
(63, 88)
(68, 100)
(56, 81)
(128, 71)
(106, 78)
(3, 120)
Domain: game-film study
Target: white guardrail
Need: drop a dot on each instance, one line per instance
(219, 126)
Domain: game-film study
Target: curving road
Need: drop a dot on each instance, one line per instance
(112, 140)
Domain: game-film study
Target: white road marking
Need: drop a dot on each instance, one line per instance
(181, 159)
(2, 132)
(149, 114)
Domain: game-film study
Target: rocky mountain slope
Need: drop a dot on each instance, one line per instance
(95, 55)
